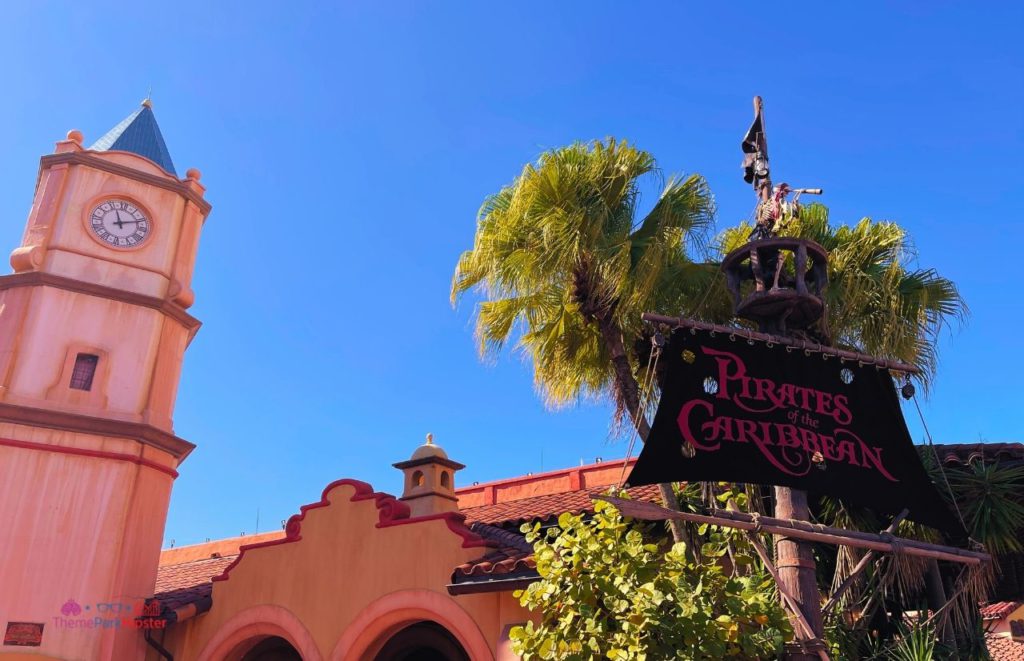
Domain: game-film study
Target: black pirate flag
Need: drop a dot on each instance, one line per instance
(775, 415)
(755, 149)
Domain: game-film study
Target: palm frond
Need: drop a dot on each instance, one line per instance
(991, 498)
(878, 303)
(561, 245)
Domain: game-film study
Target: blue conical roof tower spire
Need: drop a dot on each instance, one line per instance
(139, 134)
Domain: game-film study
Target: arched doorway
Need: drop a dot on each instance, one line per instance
(423, 641)
(273, 648)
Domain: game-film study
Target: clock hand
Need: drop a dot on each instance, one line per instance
(119, 222)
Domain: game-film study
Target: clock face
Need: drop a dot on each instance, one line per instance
(119, 224)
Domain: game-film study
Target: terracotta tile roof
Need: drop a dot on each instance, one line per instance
(217, 548)
(1004, 648)
(999, 609)
(575, 478)
(177, 585)
(965, 453)
(546, 506)
(513, 556)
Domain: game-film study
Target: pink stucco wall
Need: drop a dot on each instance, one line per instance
(86, 476)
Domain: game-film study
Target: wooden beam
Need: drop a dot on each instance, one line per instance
(861, 565)
(683, 322)
(800, 530)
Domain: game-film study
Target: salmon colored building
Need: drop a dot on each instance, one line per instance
(361, 574)
(89, 454)
(93, 329)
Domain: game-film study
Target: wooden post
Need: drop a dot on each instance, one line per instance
(804, 630)
(794, 559)
(797, 569)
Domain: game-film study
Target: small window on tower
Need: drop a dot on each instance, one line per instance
(85, 369)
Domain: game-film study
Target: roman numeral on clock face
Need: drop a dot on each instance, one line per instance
(119, 223)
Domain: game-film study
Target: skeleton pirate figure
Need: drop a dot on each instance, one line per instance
(774, 209)
(775, 212)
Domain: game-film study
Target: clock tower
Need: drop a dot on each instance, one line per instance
(93, 330)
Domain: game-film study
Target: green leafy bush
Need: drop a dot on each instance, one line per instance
(607, 592)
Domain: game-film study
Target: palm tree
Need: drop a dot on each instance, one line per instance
(567, 263)
(990, 497)
(877, 302)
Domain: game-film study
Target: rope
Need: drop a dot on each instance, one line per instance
(707, 292)
(645, 393)
(894, 542)
(649, 385)
(938, 461)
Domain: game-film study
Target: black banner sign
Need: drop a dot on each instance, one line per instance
(770, 415)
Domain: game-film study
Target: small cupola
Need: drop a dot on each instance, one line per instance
(429, 480)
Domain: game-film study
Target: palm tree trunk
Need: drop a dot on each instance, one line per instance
(629, 390)
(936, 595)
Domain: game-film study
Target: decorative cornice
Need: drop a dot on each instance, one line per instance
(85, 452)
(41, 279)
(390, 512)
(447, 463)
(177, 447)
(97, 163)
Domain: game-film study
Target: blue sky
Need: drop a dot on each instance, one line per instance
(347, 147)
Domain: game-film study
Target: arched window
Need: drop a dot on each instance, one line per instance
(273, 648)
(417, 479)
(423, 641)
(446, 479)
